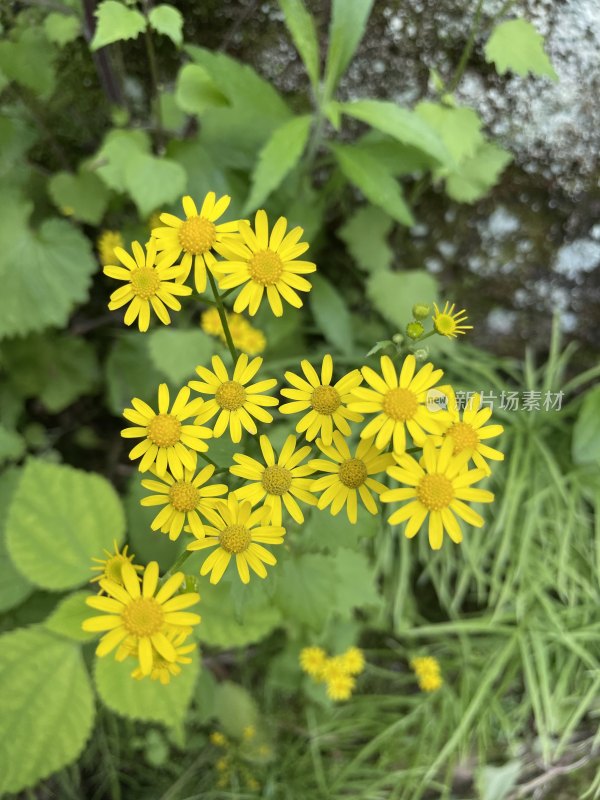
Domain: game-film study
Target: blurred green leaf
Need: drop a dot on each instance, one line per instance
(47, 706)
(478, 174)
(305, 590)
(365, 235)
(116, 22)
(69, 614)
(395, 293)
(177, 353)
(496, 783)
(169, 21)
(331, 314)
(301, 25)
(348, 24)
(516, 45)
(153, 182)
(29, 61)
(62, 28)
(118, 150)
(130, 372)
(585, 446)
(459, 128)
(203, 174)
(14, 587)
(277, 158)
(59, 518)
(12, 445)
(196, 91)
(328, 533)
(354, 582)
(16, 137)
(84, 193)
(236, 709)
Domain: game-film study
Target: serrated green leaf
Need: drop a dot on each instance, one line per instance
(29, 61)
(478, 174)
(236, 709)
(305, 589)
(169, 21)
(58, 520)
(367, 173)
(328, 533)
(55, 268)
(301, 25)
(176, 354)
(399, 159)
(395, 293)
(153, 182)
(84, 193)
(47, 706)
(16, 137)
(365, 235)
(459, 128)
(12, 445)
(203, 174)
(348, 24)
(277, 158)
(354, 582)
(331, 314)
(14, 587)
(402, 124)
(145, 700)
(68, 616)
(117, 151)
(62, 28)
(130, 372)
(116, 23)
(516, 45)
(585, 446)
(196, 91)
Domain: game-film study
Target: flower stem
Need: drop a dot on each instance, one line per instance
(178, 563)
(223, 317)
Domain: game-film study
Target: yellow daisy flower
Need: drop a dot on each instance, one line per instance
(353, 661)
(145, 615)
(350, 475)
(183, 500)
(163, 670)
(149, 284)
(264, 262)
(276, 482)
(430, 682)
(239, 532)
(312, 661)
(195, 236)
(399, 402)
(106, 244)
(234, 401)
(165, 439)
(110, 567)
(469, 432)
(340, 687)
(327, 404)
(438, 490)
(448, 323)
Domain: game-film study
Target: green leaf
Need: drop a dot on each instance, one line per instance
(55, 265)
(517, 46)
(177, 353)
(400, 123)
(478, 174)
(497, 783)
(145, 544)
(331, 314)
(130, 372)
(365, 235)
(29, 61)
(348, 24)
(116, 23)
(585, 446)
(14, 587)
(153, 182)
(84, 193)
(168, 21)
(301, 25)
(329, 533)
(354, 582)
(395, 293)
(371, 177)
(203, 175)
(277, 158)
(60, 518)
(305, 590)
(16, 137)
(398, 159)
(68, 616)
(47, 706)
(12, 445)
(62, 28)
(196, 91)
(459, 128)
(236, 709)
(145, 700)
(118, 150)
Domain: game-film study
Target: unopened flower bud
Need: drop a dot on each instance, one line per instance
(414, 330)
(421, 311)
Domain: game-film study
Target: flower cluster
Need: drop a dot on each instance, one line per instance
(427, 670)
(245, 337)
(338, 673)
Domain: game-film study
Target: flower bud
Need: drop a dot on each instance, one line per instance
(421, 311)
(414, 330)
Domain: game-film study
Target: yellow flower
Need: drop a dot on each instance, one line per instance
(110, 567)
(210, 322)
(427, 670)
(469, 432)
(353, 661)
(265, 263)
(399, 402)
(239, 532)
(245, 337)
(351, 475)
(196, 236)
(222, 764)
(249, 733)
(312, 661)
(234, 401)
(149, 284)
(163, 670)
(218, 739)
(340, 684)
(447, 323)
(430, 683)
(276, 482)
(106, 244)
(153, 221)
(183, 500)
(438, 490)
(327, 403)
(165, 439)
(142, 615)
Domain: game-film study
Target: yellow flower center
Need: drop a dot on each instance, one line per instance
(183, 496)
(113, 566)
(435, 492)
(444, 324)
(145, 282)
(197, 235)
(231, 395)
(163, 430)
(235, 539)
(325, 399)
(353, 473)
(400, 404)
(143, 616)
(464, 436)
(276, 480)
(265, 267)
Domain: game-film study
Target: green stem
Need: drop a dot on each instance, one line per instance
(425, 336)
(223, 317)
(153, 64)
(178, 563)
(468, 49)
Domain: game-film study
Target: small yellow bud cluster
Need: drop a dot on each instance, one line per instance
(337, 672)
(427, 670)
(233, 763)
(246, 337)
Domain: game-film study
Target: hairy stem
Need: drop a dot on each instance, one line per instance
(223, 317)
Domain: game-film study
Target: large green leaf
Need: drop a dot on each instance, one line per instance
(44, 273)
(177, 353)
(477, 174)
(153, 182)
(167, 20)
(118, 150)
(116, 23)
(16, 137)
(328, 533)
(277, 158)
(14, 587)
(29, 61)
(331, 314)
(236, 709)
(355, 585)
(60, 518)
(145, 700)
(301, 25)
(130, 372)
(196, 91)
(365, 234)
(12, 445)
(516, 45)
(66, 619)
(47, 706)
(395, 293)
(62, 28)
(459, 128)
(305, 590)
(348, 23)
(586, 431)
(203, 174)
(367, 173)
(84, 195)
